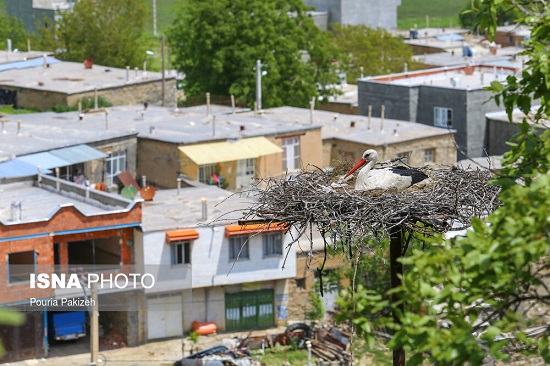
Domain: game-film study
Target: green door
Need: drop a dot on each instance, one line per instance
(249, 310)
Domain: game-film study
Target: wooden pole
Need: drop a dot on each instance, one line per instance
(396, 270)
(94, 327)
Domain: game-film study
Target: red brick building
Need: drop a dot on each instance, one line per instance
(49, 225)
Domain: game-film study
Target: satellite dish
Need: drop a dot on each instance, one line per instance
(147, 193)
(129, 192)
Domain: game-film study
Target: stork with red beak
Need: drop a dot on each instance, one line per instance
(389, 178)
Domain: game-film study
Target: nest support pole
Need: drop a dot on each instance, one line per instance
(396, 270)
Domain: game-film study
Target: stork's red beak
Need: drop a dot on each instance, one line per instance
(358, 165)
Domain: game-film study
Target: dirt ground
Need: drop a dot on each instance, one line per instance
(159, 353)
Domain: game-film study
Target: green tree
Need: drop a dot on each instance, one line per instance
(374, 50)
(12, 28)
(475, 297)
(216, 44)
(507, 14)
(109, 32)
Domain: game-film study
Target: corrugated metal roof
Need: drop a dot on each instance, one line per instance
(78, 154)
(17, 168)
(44, 160)
(219, 152)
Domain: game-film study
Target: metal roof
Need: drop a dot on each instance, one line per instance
(25, 64)
(78, 154)
(17, 168)
(44, 160)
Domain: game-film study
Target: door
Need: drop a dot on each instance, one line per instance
(249, 310)
(164, 316)
(245, 173)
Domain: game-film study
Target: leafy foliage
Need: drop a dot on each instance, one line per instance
(506, 14)
(216, 44)
(375, 50)
(111, 33)
(12, 28)
(12, 318)
(475, 297)
(318, 310)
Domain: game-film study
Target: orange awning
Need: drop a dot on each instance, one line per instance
(179, 235)
(232, 230)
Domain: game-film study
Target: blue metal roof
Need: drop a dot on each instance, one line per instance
(450, 37)
(78, 154)
(17, 168)
(44, 160)
(34, 62)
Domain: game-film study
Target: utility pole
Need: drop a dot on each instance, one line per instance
(155, 17)
(94, 327)
(259, 85)
(396, 271)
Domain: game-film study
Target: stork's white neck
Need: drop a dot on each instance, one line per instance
(365, 170)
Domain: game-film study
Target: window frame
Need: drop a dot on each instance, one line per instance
(428, 152)
(180, 248)
(443, 117)
(203, 176)
(272, 244)
(235, 244)
(287, 144)
(115, 157)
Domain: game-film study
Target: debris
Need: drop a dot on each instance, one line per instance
(112, 340)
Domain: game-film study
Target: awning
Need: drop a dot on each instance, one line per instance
(180, 235)
(63, 157)
(219, 152)
(232, 230)
(78, 154)
(17, 168)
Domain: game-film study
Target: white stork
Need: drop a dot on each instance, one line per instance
(389, 178)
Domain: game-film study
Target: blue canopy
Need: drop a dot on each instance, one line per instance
(17, 168)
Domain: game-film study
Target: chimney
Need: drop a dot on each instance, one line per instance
(143, 181)
(214, 125)
(16, 211)
(178, 181)
(370, 115)
(4, 125)
(311, 107)
(151, 129)
(127, 73)
(8, 48)
(18, 127)
(204, 209)
(382, 112)
(232, 104)
(207, 104)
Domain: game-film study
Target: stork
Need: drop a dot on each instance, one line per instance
(389, 178)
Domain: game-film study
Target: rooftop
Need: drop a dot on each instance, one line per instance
(177, 209)
(517, 117)
(338, 126)
(44, 131)
(507, 56)
(72, 77)
(41, 203)
(473, 76)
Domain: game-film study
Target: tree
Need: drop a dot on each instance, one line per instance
(109, 32)
(216, 44)
(374, 50)
(507, 14)
(13, 29)
(476, 296)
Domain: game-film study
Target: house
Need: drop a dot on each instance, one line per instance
(209, 268)
(49, 226)
(346, 137)
(372, 13)
(500, 129)
(68, 144)
(33, 12)
(512, 35)
(435, 40)
(64, 84)
(448, 97)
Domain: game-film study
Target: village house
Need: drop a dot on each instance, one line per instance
(448, 97)
(52, 226)
(210, 268)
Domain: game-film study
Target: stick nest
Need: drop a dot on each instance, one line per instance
(311, 199)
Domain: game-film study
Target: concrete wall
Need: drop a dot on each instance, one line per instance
(373, 13)
(395, 98)
(24, 11)
(478, 104)
(148, 91)
(159, 162)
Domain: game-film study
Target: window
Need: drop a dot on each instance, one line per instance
(116, 163)
(245, 172)
(291, 153)
(443, 117)
(206, 172)
(180, 252)
(21, 265)
(429, 155)
(238, 244)
(405, 155)
(273, 244)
